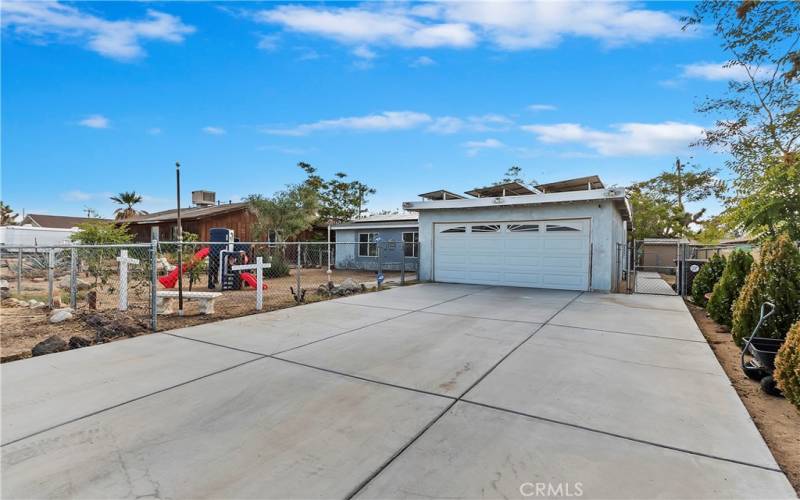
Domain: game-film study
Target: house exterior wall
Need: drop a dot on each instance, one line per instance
(607, 228)
(241, 221)
(391, 249)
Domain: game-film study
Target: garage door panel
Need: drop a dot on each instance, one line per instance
(502, 253)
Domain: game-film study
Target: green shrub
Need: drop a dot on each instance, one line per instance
(787, 366)
(705, 280)
(774, 278)
(727, 289)
(275, 256)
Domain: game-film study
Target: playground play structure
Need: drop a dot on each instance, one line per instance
(225, 257)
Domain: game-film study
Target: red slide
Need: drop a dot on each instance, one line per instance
(251, 280)
(171, 279)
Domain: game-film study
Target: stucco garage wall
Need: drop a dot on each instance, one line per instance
(602, 213)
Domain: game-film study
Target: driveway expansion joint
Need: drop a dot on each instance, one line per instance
(628, 333)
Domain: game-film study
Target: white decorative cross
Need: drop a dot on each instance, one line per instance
(258, 267)
(124, 260)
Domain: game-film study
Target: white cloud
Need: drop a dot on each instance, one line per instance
(76, 195)
(268, 42)
(214, 130)
(509, 25)
(362, 25)
(95, 121)
(627, 139)
(541, 107)
(154, 131)
(120, 39)
(422, 61)
(484, 123)
(474, 147)
(722, 71)
(388, 120)
(363, 52)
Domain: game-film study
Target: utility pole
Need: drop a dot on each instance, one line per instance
(180, 238)
(679, 173)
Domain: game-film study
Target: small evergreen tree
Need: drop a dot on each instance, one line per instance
(774, 278)
(787, 366)
(728, 287)
(705, 280)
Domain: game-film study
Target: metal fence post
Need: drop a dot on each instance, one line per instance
(403, 267)
(51, 264)
(19, 271)
(153, 282)
(73, 278)
(297, 272)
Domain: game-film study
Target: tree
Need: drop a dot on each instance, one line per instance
(709, 275)
(727, 289)
(787, 366)
(773, 205)
(7, 216)
(515, 174)
(286, 213)
(91, 213)
(659, 204)
(99, 262)
(127, 199)
(774, 278)
(758, 119)
(339, 198)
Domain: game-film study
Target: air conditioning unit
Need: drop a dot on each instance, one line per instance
(204, 198)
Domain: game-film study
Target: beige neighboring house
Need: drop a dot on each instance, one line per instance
(659, 254)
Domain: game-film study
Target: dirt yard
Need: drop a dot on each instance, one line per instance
(23, 328)
(776, 418)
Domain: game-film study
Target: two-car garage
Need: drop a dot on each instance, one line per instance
(529, 253)
(565, 240)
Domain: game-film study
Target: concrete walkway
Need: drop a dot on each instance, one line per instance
(652, 283)
(428, 391)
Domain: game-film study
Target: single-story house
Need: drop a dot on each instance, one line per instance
(57, 221)
(357, 242)
(560, 235)
(43, 230)
(198, 220)
(659, 254)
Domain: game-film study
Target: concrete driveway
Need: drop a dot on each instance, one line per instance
(427, 391)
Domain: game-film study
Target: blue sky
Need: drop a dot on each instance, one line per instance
(99, 98)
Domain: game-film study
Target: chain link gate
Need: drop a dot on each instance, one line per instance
(656, 266)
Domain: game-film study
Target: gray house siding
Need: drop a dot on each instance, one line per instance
(391, 249)
(607, 228)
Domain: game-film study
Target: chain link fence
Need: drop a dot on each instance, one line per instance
(115, 290)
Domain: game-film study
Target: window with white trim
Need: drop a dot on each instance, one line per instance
(523, 228)
(367, 247)
(456, 229)
(486, 228)
(410, 244)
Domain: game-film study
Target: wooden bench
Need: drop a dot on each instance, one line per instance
(166, 299)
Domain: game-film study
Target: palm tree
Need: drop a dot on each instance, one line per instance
(7, 215)
(127, 200)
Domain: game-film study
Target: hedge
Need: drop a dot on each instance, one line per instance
(727, 289)
(787, 366)
(774, 278)
(705, 280)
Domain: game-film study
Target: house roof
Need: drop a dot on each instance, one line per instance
(616, 195)
(57, 221)
(577, 184)
(441, 194)
(186, 213)
(380, 221)
(506, 189)
(664, 241)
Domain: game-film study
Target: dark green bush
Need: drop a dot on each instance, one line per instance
(705, 280)
(787, 366)
(725, 292)
(774, 278)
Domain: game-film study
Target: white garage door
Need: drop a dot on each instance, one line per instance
(541, 254)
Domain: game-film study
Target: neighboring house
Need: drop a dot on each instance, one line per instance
(560, 235)
(358, 242)
(43, 230)
(659, 254)
(198, 220)
(57, 221)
